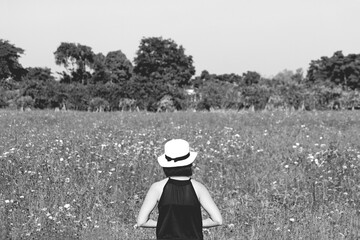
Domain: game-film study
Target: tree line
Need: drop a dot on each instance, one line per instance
(161, 78)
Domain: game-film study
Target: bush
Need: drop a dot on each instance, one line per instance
(321, 98)
(98, 104)
(350, 100)
(25, 102)
(77, 97)
(3, 103)
(166, 104)
(212, 94)
(255, 95)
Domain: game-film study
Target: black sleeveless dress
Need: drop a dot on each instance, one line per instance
(179, 212)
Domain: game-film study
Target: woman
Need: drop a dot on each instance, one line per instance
(179, 198)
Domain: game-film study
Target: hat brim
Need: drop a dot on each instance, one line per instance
(169, 164)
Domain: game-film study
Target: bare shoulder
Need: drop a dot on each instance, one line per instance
(197, 183)
(161, 183)
(158, 186)
(198, 187)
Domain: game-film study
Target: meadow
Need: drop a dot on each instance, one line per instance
(274, 175)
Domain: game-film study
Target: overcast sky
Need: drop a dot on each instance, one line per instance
(223, 36)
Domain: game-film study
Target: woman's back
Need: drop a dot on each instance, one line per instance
(179, 198)
(179, 212)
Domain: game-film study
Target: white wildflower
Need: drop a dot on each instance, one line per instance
(316, 161)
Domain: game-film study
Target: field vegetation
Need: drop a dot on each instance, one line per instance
(274, 175)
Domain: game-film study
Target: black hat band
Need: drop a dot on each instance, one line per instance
(178, 158)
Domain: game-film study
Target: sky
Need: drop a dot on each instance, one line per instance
(222, 36)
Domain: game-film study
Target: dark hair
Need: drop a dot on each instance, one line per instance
(178, 171)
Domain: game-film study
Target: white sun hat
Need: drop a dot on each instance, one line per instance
(177, 154)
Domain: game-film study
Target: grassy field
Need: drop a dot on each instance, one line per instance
(80, 175)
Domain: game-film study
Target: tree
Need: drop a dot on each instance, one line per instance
(39, 74)
(100, 74)
(75, 58)
(298, 76)
(336, 70)
(212, 94)
(164, 59)
(40, 85)
(250, 78)
(161, 67)
(287, 89)
(284, 76)
(119, 67)
(198, 81)
(9, 64)
(3, 102)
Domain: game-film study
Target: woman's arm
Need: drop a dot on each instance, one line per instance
(149, 224)
(208, 223)
(148, 205)
(210, 207)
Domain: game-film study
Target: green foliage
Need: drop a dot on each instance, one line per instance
(98, 104)
(163, 71)
(38, 74)
(232, 78)
(321, 98)
(119, 67)
(161, 68)
(212, 92)
(158, 58)
(149, 93)
(292, 94)
(111, 92)
(127, 104)
(9, 61)
(250, 78)
(25, 102)
(288, 76)
(336, 70)
(3, 102)
(166, 104)
(255, 95)
(75, 58)
(101, 74)
(10, 85)
(350, 100)
(76, 97)
(232, 99)
(44, 93)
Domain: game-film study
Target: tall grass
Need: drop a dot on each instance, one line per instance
(79, 175)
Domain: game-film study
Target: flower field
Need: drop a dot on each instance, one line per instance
(274, 175)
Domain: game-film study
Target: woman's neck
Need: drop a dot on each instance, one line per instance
(181, 178)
